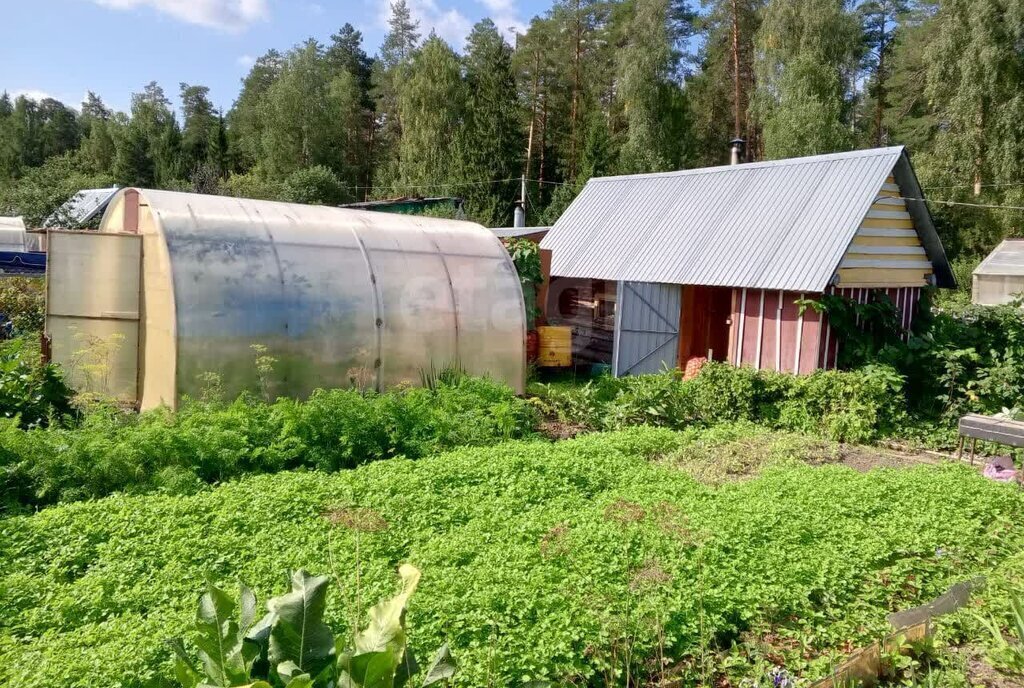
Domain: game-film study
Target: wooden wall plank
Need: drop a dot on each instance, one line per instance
(870, 223)
(879, 277)
(861, 240)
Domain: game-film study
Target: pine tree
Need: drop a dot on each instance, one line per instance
(98, 149)
(24, 123)
(585, 55)
(9, 158)
(721, 92)
(880, 19)
(345, 55)
(149, 148)
(307, 114)
(540, 83)
(910, 119)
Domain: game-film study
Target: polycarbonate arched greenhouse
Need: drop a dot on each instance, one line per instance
(176, 286)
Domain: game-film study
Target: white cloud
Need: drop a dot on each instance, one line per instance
(226, 15)
(454, 26)
(449, 24)
(31, 93)
(245, 61)
(498, 6)
(506, 17)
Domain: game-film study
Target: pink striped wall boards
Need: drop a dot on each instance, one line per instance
(770, 333)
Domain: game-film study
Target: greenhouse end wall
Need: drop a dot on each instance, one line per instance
(995, 290)
(336, 297)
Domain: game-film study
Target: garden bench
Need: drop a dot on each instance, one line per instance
(991, 429)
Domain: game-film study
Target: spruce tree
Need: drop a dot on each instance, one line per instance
(491, 141)
(387, 76)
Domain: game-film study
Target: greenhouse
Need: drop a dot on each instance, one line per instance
(1000, 277)
(178, 292)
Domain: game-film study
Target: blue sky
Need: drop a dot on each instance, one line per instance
(62, 48)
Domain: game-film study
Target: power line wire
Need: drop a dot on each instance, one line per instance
(971, 186)
(448, 185)
(963, 203)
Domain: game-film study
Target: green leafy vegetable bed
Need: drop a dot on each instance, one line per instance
(560, 561)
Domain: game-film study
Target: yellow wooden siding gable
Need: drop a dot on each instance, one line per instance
(886, 250)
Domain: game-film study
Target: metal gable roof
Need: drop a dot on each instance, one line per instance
(782, 224)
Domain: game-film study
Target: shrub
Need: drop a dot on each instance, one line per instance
(22, 306)
(317, 185)
(208, 442)
(855, 406)
(31, 392)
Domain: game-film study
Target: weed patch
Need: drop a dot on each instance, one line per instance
(572, 562)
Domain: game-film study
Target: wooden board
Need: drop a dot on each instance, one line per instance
(877, 277)
(1001, 430)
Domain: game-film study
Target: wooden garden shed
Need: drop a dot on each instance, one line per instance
(712, 262)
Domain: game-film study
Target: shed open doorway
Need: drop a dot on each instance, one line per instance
(704, 324)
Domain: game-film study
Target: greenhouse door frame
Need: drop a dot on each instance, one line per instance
(93, 304)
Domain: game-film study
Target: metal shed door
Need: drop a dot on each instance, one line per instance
(92, 310)
(646, 327)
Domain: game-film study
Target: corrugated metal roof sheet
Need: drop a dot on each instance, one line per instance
(783, 224)
(80, 208)
(516, 232)
(1006, 259)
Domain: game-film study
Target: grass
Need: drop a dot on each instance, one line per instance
(578, 561)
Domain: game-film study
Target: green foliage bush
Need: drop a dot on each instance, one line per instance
(31, 394)
(856, 406)
(317, 185)
(22, 306)
(539, 560)
(44, 189)
(207, 442)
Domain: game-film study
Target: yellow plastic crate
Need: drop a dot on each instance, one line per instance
(555, 346)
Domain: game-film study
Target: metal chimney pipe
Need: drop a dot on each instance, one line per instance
(520, 216)
(738, 148)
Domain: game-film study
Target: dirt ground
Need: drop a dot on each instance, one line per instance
(864, 459)
(980, 673)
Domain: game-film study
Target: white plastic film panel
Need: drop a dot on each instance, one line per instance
(646, 328)
(92, 310)
(995, 290)
(338, 297)
(12, 234)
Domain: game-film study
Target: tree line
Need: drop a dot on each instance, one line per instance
(591, 87)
